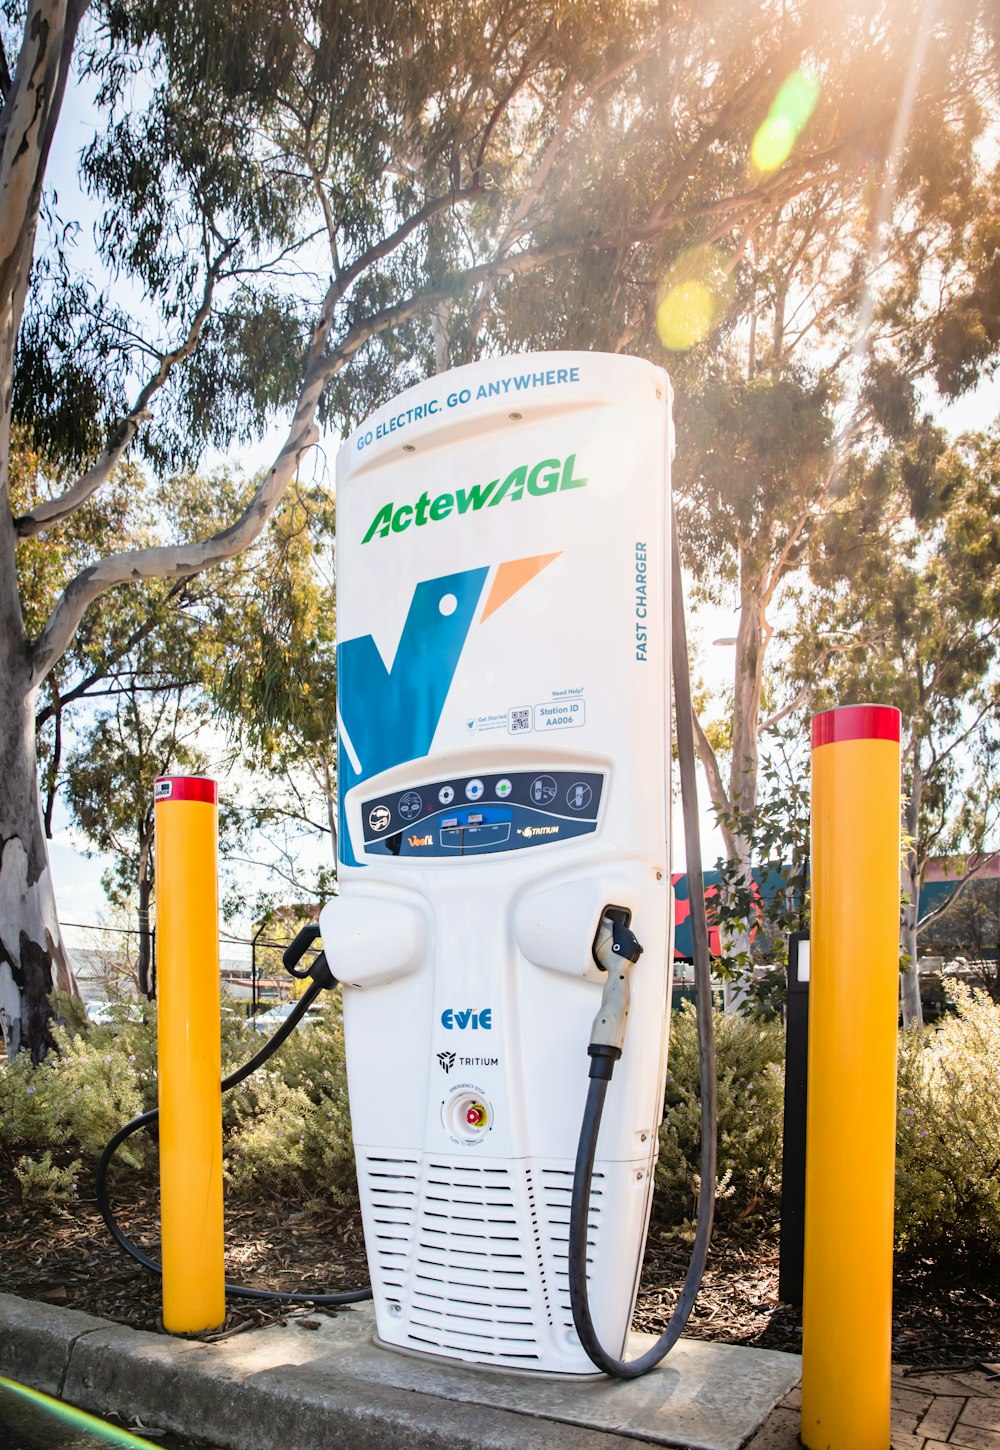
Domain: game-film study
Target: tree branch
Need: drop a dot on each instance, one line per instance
(940, 756)
(511, 233)
(395, 239)
(55, 511)
(710, 764)
(802, 698)
(181, 560)
(969, 874)
(31, 112)
(80, 690)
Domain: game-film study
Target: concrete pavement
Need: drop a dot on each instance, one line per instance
(321, 1383)
(299, 1388)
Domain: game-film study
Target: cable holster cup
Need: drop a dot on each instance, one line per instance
(294, 952)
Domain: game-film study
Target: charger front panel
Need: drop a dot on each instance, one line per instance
(503, 626)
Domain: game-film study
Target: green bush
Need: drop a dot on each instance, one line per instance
(44, 1182)
(948, 1133)
(289, 1125)
(285, 1130)
(97, 1078)
(749, 1061)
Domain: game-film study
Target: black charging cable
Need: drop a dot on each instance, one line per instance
(321, 979)
(602, 1062)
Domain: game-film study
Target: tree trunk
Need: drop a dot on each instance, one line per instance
(32, 956)
(743, 772)
(913, 1012)
(747, 684)
(146, 986)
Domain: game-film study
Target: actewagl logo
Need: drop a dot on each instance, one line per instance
(549, 475)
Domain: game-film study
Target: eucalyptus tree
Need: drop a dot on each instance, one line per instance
(812, 421)
(268, 627)
(851, 313)
(303, 206)
(929, 612)
(110, 774)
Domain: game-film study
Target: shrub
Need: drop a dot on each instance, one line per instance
(749, 1061)
(290, 1124)
(96, 1080)
(43, 1182)
(948, 1133)
(286, 1129)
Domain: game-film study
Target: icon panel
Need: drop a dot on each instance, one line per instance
(410, 805)
(543, 790)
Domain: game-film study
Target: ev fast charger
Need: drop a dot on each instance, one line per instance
(503, 699)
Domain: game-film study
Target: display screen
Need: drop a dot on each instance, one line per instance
(481, 814)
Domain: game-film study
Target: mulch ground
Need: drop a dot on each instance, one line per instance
(943, 1318)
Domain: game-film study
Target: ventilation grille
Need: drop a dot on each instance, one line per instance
(556, 1196)
(474, 1288)
(393, 1188)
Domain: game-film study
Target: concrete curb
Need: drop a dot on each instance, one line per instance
(289, 1389)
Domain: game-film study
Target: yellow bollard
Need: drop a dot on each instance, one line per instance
(189, 1052)
(851, 1116)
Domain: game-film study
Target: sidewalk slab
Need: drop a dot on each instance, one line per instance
(295, 1388)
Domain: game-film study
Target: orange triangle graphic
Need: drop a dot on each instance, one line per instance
(511, 577)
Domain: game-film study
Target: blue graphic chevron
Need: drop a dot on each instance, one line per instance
(390, 715)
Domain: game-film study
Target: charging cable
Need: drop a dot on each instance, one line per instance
(616, 950)
(321, 979)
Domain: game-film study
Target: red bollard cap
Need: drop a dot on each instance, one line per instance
(855, 722)
(186, 788)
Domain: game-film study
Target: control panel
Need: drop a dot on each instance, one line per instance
(481, 814)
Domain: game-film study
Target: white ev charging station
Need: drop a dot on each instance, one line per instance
(503, 581)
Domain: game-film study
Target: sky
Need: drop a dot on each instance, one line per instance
(76, 876)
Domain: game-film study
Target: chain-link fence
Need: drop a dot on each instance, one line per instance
(105, 962)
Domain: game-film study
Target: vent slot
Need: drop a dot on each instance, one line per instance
(472, 1287)
(393, 1190)
(557, 1197)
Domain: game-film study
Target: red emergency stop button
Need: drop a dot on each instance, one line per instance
(475, 1115)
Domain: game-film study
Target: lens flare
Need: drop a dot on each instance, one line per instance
(789, 113)
(694, 296)
(77, 1419)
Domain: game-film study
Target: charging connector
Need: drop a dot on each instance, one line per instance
(616, 950)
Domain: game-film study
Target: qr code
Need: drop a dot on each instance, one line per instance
(518, 720)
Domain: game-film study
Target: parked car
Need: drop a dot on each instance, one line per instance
(269, 1021)
(110, 1014)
